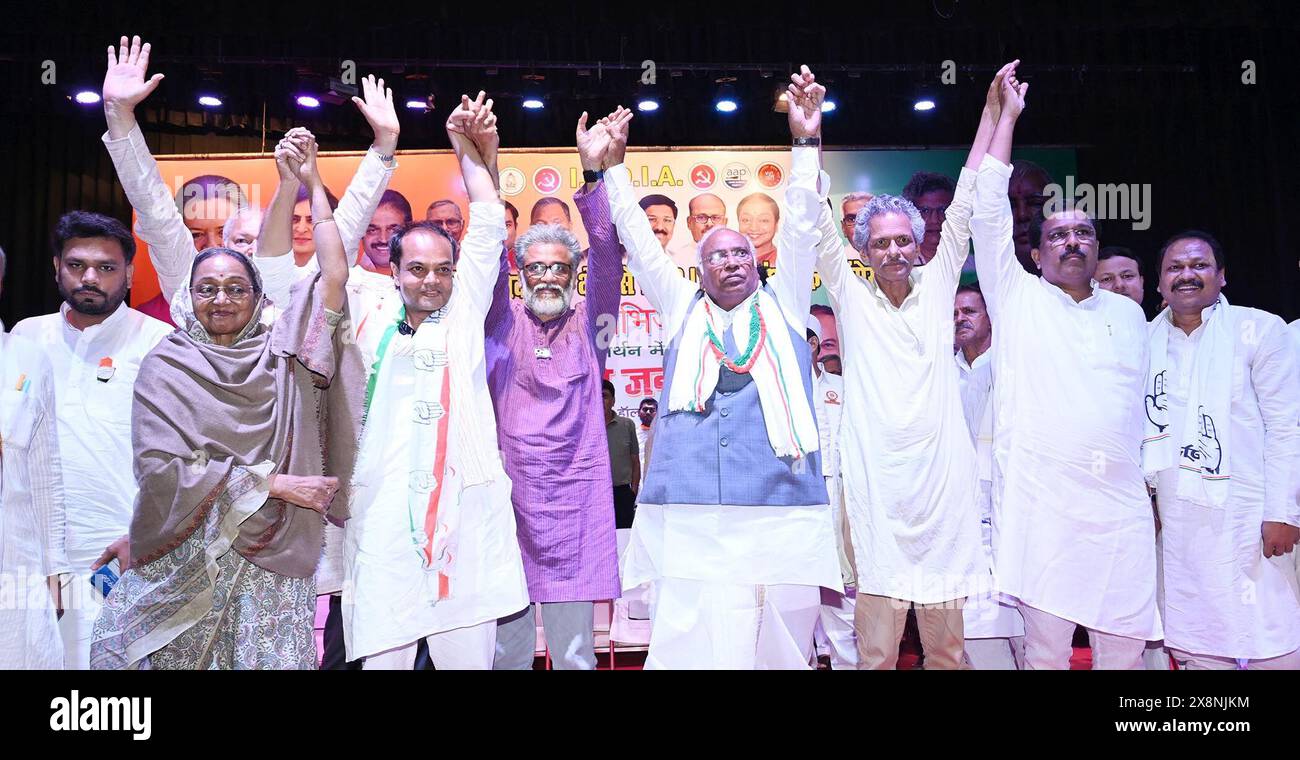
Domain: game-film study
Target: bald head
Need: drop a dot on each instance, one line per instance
(705, 211)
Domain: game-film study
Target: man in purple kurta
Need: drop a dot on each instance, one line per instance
(545, 362)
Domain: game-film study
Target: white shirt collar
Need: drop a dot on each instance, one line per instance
(912, 279)
(1088, 303)
(113, 320)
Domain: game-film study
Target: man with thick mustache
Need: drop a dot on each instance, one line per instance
(95, 344)
(546, 359)
(1222, 448)
(1071, 516)
(733, 528)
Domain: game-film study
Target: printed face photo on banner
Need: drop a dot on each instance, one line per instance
(740, 188)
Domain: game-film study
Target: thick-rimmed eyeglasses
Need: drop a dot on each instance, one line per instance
(539, 269)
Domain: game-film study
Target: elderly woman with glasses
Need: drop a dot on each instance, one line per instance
(230, 421)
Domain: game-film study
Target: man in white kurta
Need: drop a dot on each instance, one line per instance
(1073, 533)
(1229, 596)
(32, 527)
(910, 482)
(95, 359)
(835, 635)
(431, 550)
(995, 632)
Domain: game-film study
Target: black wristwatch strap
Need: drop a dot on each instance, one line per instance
(807, 141)
(590, 176)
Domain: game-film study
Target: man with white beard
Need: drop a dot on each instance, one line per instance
(546, 360)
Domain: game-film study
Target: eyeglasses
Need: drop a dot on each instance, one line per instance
(1083, 234)
(707, 218)
(882, 244)
(741, 255)
(539, 269)
(447, 224)
(932, 210)
(207, 292)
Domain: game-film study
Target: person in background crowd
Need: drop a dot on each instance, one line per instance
(1119, 271)
(624, 458)
(931, 193)
(995, 632)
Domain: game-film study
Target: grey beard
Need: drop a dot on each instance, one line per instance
(549, 307)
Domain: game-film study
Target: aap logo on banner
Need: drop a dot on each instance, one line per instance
(546, 179)
(703, 176)
(735, 176)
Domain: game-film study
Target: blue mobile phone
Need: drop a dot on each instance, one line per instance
(104, 579)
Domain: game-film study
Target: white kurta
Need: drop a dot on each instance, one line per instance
(908, 461)
(31, 508)
(1222, 596)
(171, 245)
(388, 596)
(1073, 534)
(983, 615)
(94, 426)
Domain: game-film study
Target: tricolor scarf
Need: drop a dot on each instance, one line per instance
(424, 411)
(1202, 456)
(758, 329)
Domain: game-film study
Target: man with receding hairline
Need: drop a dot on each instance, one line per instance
(446, 214)
(1070, 506)
(705, 211)
(548, 210)
(733, 527)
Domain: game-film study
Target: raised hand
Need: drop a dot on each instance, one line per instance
(288, 157)
(306, 170)
(993, 98)
(618, 124)
(1012, 93)
(124, 82)
(482, 129)
(805, 98)
(593, 143)
(376, 105)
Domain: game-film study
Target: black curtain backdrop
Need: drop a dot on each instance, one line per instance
(1148, 93)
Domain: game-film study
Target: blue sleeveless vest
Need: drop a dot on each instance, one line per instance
(723, 456)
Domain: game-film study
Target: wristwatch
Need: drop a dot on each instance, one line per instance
(807, 141)
(382, 157)
(591, 177)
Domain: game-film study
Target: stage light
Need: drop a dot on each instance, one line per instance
(726, 100)
(828, 106)
(308, 101)
(416, 105)
(209, 101)
(533, 104)
(86, 97)
(925, 104)
(647, 104)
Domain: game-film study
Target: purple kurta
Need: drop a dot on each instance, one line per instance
(551, 423)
